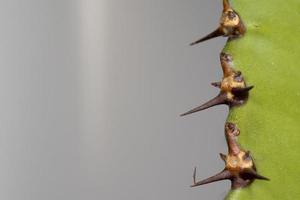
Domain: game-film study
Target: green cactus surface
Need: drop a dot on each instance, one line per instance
(269, 58)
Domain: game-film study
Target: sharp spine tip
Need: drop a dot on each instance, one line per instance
(225, 174)
(255, 175)
(216, 84)
(214, 34)
(220, 99)
(223, 157)
(241, 91)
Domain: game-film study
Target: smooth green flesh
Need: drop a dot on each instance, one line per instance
(269, 58)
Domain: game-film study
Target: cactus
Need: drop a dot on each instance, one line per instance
(267, 54)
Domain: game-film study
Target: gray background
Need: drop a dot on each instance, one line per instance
(91, 93)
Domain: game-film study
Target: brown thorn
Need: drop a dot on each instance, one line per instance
(225, 174)
(216, 84)
(252, 173)
(220, 99)
(216, 33)
(223, 157)
(241, 91)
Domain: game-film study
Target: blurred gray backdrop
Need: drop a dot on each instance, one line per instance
(91, 92)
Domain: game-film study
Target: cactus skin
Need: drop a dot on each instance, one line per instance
(269, 56)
